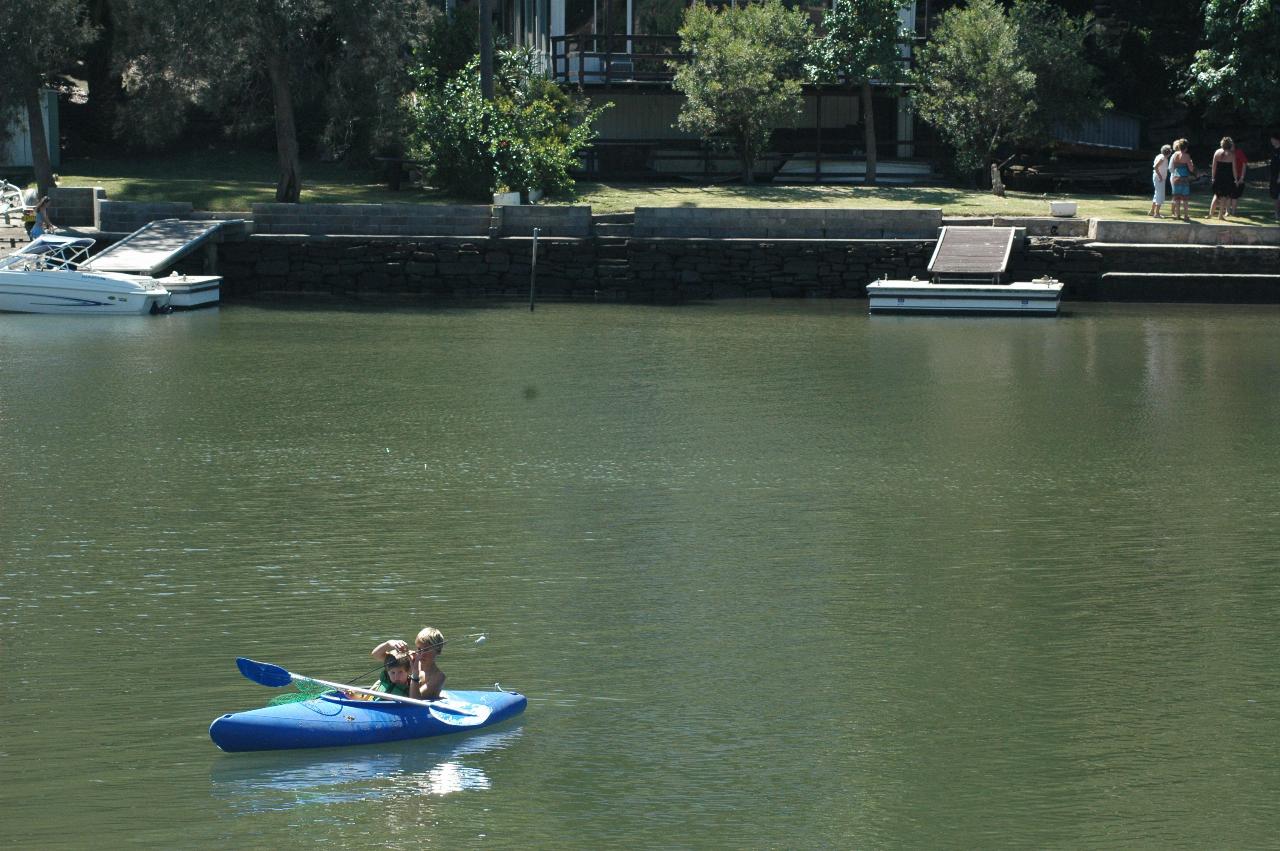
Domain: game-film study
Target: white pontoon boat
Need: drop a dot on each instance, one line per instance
(45, 277)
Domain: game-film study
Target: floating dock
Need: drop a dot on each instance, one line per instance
(159, 245)
(967, 268)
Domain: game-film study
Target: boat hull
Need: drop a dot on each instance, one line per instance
(191, 292)
(1034, 298)
(335, 721)
(83, 293)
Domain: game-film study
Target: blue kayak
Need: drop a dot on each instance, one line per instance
(333, 719)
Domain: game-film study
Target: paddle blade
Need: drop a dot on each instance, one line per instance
(264, 673)
(468, 715)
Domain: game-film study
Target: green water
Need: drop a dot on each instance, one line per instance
(772, 574)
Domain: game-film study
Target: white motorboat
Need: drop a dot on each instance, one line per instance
(46, 277)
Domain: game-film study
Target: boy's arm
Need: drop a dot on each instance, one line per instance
(380, 652)
(426, 685)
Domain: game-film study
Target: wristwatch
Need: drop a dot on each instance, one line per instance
(415, 679)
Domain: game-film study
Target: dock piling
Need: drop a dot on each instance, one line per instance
(533, 271)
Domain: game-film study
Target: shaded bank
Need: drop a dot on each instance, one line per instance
(663, 254)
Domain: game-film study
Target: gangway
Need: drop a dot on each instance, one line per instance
(969, 254)
(158, 245)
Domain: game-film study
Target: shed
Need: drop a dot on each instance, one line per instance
(15, 141)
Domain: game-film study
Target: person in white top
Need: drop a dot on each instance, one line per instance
(1160, 179)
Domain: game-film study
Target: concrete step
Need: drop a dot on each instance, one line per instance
(607, 229)
(1221, 259)
(1187, 286)
(613, 218)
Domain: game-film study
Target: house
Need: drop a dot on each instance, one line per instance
(15, 140)
(617, 51)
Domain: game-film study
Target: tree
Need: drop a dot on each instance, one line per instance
(744, 74)
(862, 42)
(972, 83)
(215, 55)
(368, 69)
(42, 40)
(1239, 70)
(1068, 88)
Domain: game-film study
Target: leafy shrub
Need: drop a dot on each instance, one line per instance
(528, 137)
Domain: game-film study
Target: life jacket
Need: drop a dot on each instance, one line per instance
(384, 684)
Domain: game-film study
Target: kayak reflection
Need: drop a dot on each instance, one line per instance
(282, 780)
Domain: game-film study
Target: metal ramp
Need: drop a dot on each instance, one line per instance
(158, 245)
(969, 254)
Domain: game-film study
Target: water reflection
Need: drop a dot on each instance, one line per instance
(284, 780)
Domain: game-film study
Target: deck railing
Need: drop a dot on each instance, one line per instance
(607, 59)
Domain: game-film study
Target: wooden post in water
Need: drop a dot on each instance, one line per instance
(533, 271)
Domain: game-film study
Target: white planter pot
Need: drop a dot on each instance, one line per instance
(506, 199)
(1062, 208)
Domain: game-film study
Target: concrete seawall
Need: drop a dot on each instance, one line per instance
(678, 254)
(672, 270)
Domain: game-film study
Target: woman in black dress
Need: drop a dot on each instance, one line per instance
(1223, 174)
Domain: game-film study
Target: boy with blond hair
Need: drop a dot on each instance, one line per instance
(426, 680)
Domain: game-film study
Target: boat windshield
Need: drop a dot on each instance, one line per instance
(50, 252)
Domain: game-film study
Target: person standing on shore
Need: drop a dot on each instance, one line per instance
(1275, 171)
(43, 223)
(1222, 175)
(1160, 179)
(1242, 166)
(1181, 169)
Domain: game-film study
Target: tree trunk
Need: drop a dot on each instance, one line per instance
(106, 87)
(869, 128)
(748, 166)
(486, 50)
(289, 189)
(39, 143)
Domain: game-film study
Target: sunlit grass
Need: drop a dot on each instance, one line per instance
(235, 181)
(1255, 207)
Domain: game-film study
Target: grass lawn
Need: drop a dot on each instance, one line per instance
(232, 181)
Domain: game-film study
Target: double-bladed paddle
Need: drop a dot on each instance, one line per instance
(264, 673)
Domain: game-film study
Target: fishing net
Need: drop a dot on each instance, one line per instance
(302, 690)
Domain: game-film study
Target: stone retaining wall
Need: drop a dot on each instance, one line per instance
(659, 269)
(438, 267)
(75, 206)
(1181, 233)
(373, 219)
(679, 269)
(128, 216)
(673, 270)
(550, 221)
(786, 223)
